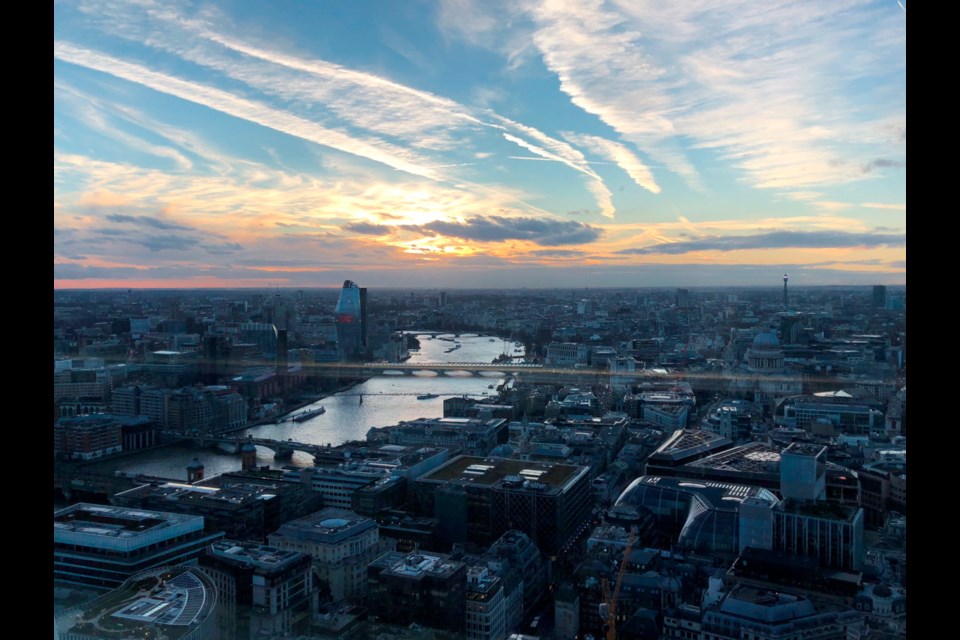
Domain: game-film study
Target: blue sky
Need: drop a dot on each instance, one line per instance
(478, 143)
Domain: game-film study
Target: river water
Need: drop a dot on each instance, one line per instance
(387, 400)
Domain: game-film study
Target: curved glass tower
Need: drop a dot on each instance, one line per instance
(351, 316)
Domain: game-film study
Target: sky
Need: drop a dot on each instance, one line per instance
(479, 143)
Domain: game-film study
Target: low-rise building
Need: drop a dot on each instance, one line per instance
(263, 591)
(87, 437)
(100, 547)
(424, 588)
(341, 544)
(173, 602)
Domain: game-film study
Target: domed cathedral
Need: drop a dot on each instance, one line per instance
(765, 355)
(762, 377)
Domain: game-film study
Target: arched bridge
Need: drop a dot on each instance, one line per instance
(282, 449)
(447, 368)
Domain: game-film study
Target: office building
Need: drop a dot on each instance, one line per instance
(516, 559)
(351, 319)
(830, 533)
(341, 544)
(100, 547)
(477, 499)
(747, 612)
(172, 603)
(703, 517)
(879, 298)
(803, 472)
(243, 505)
(567, 354)
(470, 436)
(263, 591)
(847, 411)
(428, 589)
(682, 447)
(730, 419)
(485, 606)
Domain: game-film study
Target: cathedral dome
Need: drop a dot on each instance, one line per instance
(766, 340)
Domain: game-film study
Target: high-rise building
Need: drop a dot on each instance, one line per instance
(879, 296)
(351, 316)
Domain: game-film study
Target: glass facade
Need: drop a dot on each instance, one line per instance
(703, 516)
(350, 313)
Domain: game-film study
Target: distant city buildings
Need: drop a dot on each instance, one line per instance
(729, 463)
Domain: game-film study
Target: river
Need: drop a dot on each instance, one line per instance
(387, 400)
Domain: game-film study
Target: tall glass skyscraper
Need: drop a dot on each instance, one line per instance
(351, 315)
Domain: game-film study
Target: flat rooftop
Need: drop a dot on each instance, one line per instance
(230, 495)
(260, 555)
(805, 449)
(489, 471)
(417, 565)
(92, 521)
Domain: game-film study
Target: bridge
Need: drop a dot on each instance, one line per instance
(447, 368)
(282, 449)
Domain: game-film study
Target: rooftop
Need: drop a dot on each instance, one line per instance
(490, 471)
(805, 449)
(689, 442)
(722, 496)
(754, 457)
(765, 606)
(118, 528)
(229, 494)
(417, 565)
(169, 602)
(824, 510)
(330, 526)
(259, 555)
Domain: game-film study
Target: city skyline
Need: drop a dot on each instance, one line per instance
(478, 144)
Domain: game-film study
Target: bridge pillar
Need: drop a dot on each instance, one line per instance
(283, 453)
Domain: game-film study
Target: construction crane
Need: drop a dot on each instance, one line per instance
(608, 608)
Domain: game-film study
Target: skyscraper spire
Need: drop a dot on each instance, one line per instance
(785, 290)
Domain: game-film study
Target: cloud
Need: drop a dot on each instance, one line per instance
(166, 243)
(103, 199)
(616, 152)
(144, 220)
(249, 110)
(368, 228)
(558, 253)
(568, 155)
(765, 86)
(882, 205)
(883, 163)
(775, 240)
(497, 229)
